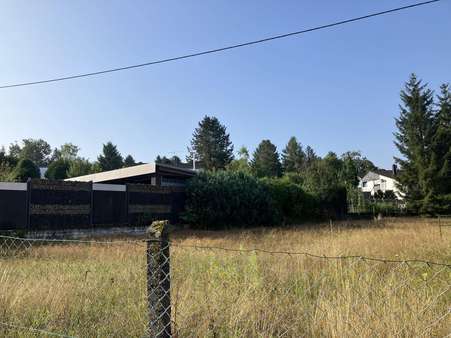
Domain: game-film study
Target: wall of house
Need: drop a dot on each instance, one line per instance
(373, 182)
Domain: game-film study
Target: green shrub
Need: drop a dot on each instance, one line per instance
(221, 199)
(291, 202)
(25, 169)
(57, 170)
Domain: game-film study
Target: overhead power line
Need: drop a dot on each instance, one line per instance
(222, 49)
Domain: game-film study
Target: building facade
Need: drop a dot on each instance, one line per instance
(380, 180)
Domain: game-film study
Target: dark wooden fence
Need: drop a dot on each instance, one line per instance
(59, 205)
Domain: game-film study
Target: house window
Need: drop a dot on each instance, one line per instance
(364, 184)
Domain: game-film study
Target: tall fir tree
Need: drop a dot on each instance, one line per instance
(414, 141)
(265, 162)
(310, 156)
(129, 161)
(438, 199)
(211, 144)
(110, 158)
(293, 156)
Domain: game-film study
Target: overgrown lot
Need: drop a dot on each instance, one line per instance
(99, 290)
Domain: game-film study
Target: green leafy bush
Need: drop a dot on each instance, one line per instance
(57, 170)
(25, 169)
(292, 204)
(221, 199)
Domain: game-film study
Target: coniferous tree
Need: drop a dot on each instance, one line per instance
(438, 199)
(293, 156)
(414, 141)
(265, 162)
(110, 158)
(310, 156)
(211, 144)
(129, 161)
(174, 160)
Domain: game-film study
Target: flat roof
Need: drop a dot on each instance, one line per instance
(137, 170)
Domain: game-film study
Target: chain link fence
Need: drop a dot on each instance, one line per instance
(161, 289)
(72, 288)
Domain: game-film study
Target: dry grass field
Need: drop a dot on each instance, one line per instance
(99, 290)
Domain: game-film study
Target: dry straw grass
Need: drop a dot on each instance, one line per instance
(99, 290)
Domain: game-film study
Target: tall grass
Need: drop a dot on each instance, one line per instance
(99, 290)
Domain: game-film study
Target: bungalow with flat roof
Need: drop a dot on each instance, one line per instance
(151, 173)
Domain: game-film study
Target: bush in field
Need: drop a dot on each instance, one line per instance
(57, 170)
(25, 169)
(221, 199)
(291, 202)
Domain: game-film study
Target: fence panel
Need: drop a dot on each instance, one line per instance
(109, 204)
(148, 203)
(13, 206)
(56, 205)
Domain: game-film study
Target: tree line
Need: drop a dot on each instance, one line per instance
(212, 147)
(423, 138)
(24, 160)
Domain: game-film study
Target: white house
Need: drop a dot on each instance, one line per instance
(380, 179)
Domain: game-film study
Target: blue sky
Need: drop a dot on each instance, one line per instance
(335, 89)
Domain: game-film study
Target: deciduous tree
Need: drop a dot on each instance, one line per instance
(25, 169)
(37, 151)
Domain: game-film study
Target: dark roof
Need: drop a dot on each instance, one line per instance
(385, 172)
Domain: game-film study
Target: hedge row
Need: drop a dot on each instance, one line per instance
(222, 199)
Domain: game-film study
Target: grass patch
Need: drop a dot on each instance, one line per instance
(99, 290)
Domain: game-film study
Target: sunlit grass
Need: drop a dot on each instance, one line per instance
(99, 290)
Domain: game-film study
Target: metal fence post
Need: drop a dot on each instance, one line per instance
(159, 280)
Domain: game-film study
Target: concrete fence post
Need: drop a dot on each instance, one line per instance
(28, 211)
(440, 226)
(159, 280)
